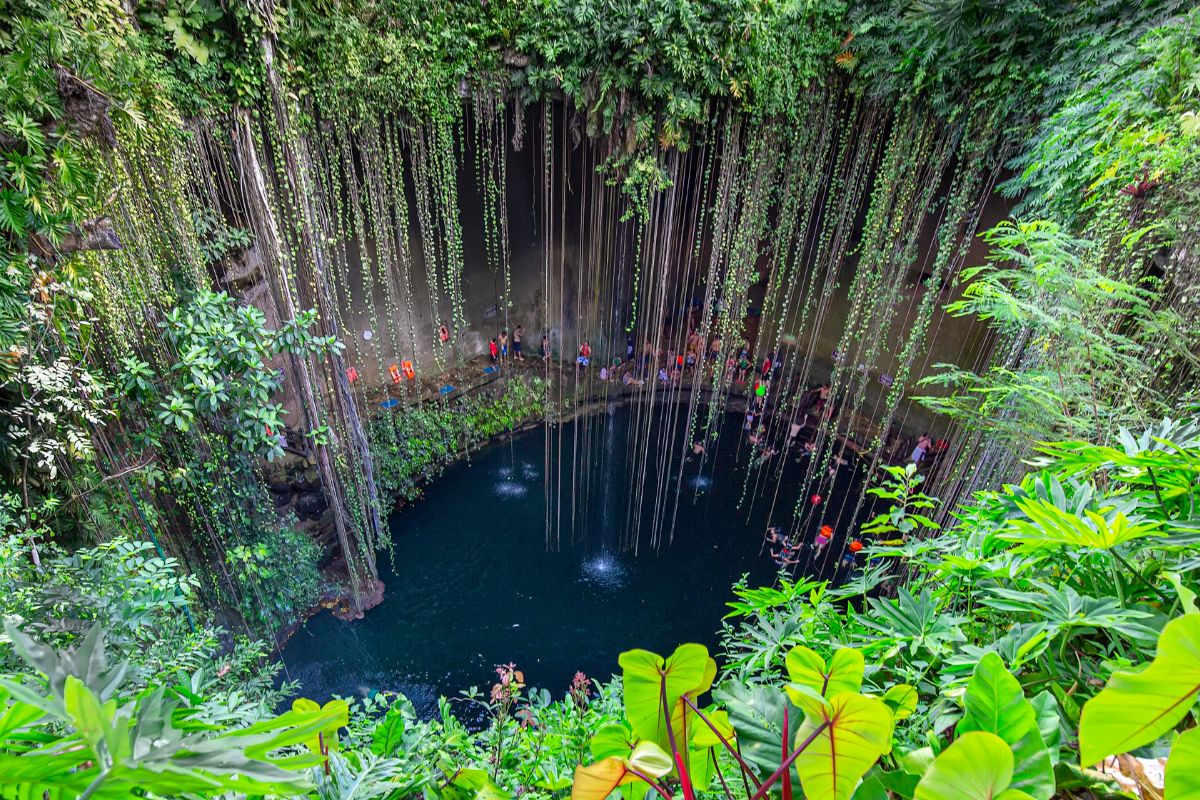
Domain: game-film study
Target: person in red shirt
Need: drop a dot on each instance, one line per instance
(494, 350)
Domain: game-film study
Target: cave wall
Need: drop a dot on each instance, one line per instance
(553, 260)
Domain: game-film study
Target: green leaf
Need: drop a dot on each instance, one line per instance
(871, 788)
(85, 711)
(650, 759)
(994, 703)
(388, 737)
(857, 731)
(844, 672)
(1187, 598)
(612, 740)
(757, 716)
(686, 724)
(978, 766)
(338, 713)
(1183, 767)
(17, 716)
(1135, 708)
(1048, 526)
(902, 700)
(647, 677)
(473, 784)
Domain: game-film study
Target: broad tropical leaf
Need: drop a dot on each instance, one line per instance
(844, 672)
(1135, 708)
(978, 766)
(597, 781)
(1183, 768)
(994, 703)
(325, 739)
(857, 731)
(756, 714)
(654, 684)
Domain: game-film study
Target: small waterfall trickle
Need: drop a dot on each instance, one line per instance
(602, 566)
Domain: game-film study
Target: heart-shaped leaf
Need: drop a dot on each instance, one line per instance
(652, 684)
(978, 766)
(844, 673)
(852, 732)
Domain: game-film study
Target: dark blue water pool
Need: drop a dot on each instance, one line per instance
(474, 584)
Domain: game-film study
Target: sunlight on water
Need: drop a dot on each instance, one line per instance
(530, 472)
(604, 570)
(504, 472)
(700, 483)
(509, 489)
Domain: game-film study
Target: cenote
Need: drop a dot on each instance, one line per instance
(472, 583)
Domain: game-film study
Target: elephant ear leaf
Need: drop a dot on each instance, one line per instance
(1183, 777)
(473, 784)
(612, 740)
(325, 739)
(653, 686)
(844, 673)
(684, 720)
(850, 735)
(597, 781)
(1135, 708)
(978, 766)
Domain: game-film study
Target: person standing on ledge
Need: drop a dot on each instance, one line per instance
(922, 447)
(494, 350)
(546, 349)
(518, 334)
(504, 346)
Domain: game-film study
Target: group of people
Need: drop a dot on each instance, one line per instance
(498, 346)
(786, 553)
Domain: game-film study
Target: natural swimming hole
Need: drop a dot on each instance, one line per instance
(473, 585)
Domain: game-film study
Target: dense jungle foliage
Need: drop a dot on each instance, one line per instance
(1000, 647)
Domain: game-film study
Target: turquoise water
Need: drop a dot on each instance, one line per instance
(474, 585)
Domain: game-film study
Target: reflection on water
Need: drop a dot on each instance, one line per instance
(510, 489)
(700, 483)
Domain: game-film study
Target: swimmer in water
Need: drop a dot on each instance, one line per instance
(787, 557)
